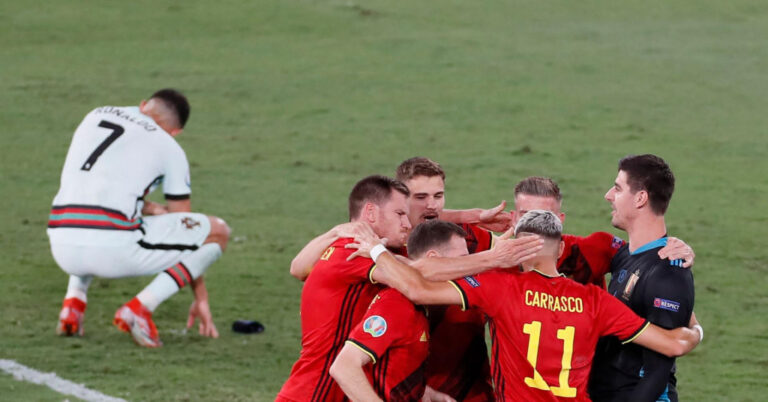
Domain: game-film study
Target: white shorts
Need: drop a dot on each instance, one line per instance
(166, 240)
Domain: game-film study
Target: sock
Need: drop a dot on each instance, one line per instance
(168, 282)
(78, 287)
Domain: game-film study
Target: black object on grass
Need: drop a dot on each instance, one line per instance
(247, 327)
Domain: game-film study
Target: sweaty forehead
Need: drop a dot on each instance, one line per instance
(527, 202)
(425, 184)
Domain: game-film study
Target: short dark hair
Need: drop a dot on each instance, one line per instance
(539, 186)
(376, 189)
(652, 174)
(419, 166)
(430, 235)
(176, 101)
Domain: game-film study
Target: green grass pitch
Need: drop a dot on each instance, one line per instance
(293, 101)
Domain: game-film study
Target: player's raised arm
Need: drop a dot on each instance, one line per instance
(506, 253)
(348, 372)
(429, 240)
(301, 265)
(495, 219)
(394, 273)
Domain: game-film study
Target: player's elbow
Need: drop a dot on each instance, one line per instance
(337, 370)
(683, 347)
(416, 293)
(675, 349)
(334, 371)
(297, 270)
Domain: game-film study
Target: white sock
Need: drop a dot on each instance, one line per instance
(168, 282)
(78, 287)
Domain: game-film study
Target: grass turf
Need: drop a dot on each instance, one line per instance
(295, 101)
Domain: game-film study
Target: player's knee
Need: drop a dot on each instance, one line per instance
(220, 231)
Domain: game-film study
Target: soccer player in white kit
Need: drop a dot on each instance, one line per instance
(101, 224)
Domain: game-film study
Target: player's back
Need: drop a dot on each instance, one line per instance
(333, 300)
(115, 156)
(544, 331)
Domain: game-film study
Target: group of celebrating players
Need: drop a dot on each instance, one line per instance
(395, 302)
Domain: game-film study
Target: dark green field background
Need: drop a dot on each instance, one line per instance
(293, 101)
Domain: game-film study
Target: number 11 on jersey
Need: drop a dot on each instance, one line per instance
(533, 329)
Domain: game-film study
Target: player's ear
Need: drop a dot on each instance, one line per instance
(515, 217)
(641, 198)
(431, 254)
(142, 106)
(561, 215)
(560, 249)
(176, 131)
(370, 211)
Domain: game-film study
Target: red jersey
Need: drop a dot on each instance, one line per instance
(588, 259)
(478, 239)
(334, 299)
(544, 331)
(458, 357)
(395, 334)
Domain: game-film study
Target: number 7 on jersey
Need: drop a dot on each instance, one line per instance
(117, 131)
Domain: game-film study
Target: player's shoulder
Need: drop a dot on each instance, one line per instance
(472, 228)
(393, 297)
(338, 252)
(491, 276)
(390, 302)
(665, 269)
(604, 239)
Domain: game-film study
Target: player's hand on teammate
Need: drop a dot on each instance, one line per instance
(200, 309)
(496, 219)
(351, 229)
(365, 240)
(431, 395)
(510, 252)
(677, 249)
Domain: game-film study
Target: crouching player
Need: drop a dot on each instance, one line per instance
(100, 223)
(544, 327)
(385, 354)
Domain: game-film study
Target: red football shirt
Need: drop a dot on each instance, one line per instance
(544, 331)
(588, 259)
(334, 299)
(458, 357)
(478, 239)
(395, 334)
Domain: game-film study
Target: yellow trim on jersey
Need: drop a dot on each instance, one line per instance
(464, 300)
(373, 358)
(493, 241)
(642, 329)
(370, 274)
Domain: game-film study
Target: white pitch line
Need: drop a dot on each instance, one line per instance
(54, 382)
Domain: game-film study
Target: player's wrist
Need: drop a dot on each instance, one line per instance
(699, 328)
(376, 251)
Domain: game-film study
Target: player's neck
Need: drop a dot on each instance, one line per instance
(646, 229)
(546, 267)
